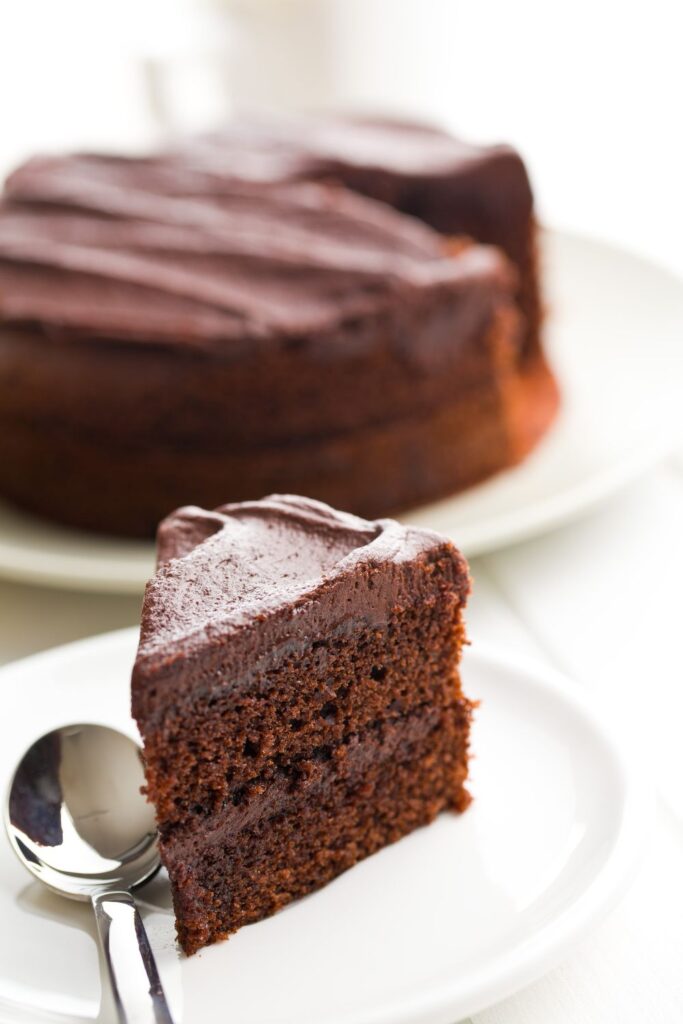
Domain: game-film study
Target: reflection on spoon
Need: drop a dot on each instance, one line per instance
(77, 820)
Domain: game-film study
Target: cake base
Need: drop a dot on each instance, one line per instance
(92, 484)
(230, 881)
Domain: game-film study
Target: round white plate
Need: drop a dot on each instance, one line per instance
(445, 922)
(615, 338)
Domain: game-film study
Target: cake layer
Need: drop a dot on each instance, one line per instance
(240, 877)
(278, 790)
(275, 392)
(274, 725)
(88, 483)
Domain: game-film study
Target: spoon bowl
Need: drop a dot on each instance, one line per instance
(77, 819)
(76, 816)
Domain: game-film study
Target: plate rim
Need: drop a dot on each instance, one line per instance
(527, 961)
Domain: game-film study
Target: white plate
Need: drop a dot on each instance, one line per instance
(615, 336)
(436, 927)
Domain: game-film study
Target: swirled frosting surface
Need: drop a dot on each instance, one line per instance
(263, 562)
(166, 249)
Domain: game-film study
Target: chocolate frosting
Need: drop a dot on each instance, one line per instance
(318, 145)
(164, 249)
(271, 563)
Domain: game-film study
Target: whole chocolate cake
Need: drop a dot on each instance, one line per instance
(212, 322)
(297, 691)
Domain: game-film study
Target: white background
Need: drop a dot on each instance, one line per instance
(591, 93)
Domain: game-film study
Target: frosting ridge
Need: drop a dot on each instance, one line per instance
(104, 253)
(220, 571)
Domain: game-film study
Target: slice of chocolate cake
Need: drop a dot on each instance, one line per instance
(297, 691)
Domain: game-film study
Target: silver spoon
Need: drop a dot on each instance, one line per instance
(77, 820)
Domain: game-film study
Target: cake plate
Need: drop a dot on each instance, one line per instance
(614, 336)
(437, 927)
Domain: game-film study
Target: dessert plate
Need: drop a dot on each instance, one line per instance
(447, 921)
(614, 338)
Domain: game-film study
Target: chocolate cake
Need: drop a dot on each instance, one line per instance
(297, 691)
(458, 188)
(212, 323)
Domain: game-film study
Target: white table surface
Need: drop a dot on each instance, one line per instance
(600, 600)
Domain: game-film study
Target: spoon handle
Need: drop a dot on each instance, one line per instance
(136, 987)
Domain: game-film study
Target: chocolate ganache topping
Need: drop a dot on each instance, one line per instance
(98, 246)
(309, 146)
(266, 562)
